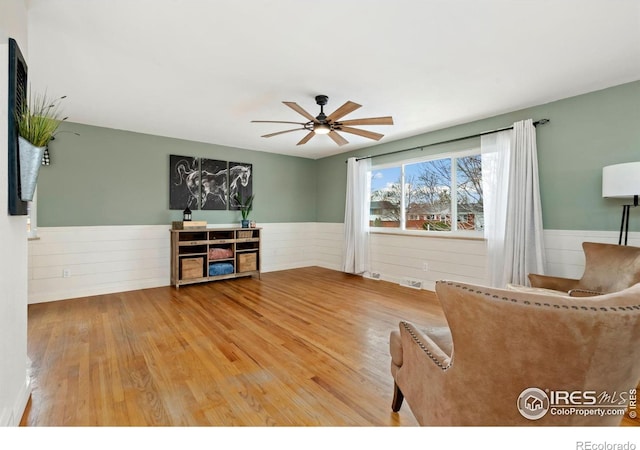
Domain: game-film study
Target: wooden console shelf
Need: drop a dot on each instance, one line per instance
(209, 254)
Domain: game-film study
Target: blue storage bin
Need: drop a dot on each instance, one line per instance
(220, 268)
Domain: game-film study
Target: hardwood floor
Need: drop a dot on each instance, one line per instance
(303, 347)
(300, 347)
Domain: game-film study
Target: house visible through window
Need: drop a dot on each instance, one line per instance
(437, 194)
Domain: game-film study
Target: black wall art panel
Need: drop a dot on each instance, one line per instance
(184, 182)
(240, 182)
(214, 184)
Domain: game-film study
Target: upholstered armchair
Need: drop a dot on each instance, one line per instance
(504, 351)
(608, 268)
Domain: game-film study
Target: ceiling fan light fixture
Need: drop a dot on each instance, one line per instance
(321, 128)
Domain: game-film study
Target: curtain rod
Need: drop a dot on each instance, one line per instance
(536, 123)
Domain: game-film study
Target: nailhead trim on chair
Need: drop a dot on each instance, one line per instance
(423, 347)
(548, 305)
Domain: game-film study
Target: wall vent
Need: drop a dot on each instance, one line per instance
(409, 282)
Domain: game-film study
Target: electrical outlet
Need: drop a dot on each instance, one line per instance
(425, 266)
(66, 273)
(375, 275)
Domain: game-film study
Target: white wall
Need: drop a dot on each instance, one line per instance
(14, 384)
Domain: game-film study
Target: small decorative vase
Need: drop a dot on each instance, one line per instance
(30, 162)
(245, 223)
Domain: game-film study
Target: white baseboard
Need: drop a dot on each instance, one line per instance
(87, 291)
(11, 417)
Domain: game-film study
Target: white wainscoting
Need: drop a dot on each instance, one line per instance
(329, 238)
(109, 259)
(99, 260)
(400, 257)
(397, 257)
(287, 246)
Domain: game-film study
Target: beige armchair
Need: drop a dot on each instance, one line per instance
(504, 351)
(608, 268)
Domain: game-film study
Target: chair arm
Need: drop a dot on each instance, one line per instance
(425, 373)
(435, 343)
(549, 282)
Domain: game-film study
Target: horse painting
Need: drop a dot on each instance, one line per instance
(185, 182)
(239, 182)
(213, 179)
(208, 183)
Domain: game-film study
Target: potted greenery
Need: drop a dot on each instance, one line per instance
(246, 205)
(37, 120)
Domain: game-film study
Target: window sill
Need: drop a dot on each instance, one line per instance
(477, 236)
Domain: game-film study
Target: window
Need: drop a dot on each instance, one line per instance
(440, 194)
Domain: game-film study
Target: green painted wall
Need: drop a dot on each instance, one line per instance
(112, 177)
(586, 133)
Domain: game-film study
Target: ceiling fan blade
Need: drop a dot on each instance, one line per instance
(337, 138)
(276, 121)
(345, 109)
(281, 132)
(305, 139)
(297, 108)
(388, 120)
(363, 133)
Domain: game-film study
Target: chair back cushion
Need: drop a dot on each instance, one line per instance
(609, 267)
(507, 341)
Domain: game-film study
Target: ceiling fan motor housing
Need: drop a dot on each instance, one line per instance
(322, 100)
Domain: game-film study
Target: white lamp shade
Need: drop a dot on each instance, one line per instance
(621, 180)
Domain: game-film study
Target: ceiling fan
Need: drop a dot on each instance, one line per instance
(331, 124)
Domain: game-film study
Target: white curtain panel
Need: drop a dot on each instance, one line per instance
(524, 246)
(513, 213)
(356, 217)
(496, 150)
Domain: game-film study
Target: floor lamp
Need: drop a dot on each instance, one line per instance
(622, 181)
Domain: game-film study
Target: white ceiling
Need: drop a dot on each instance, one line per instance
(202, 70)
